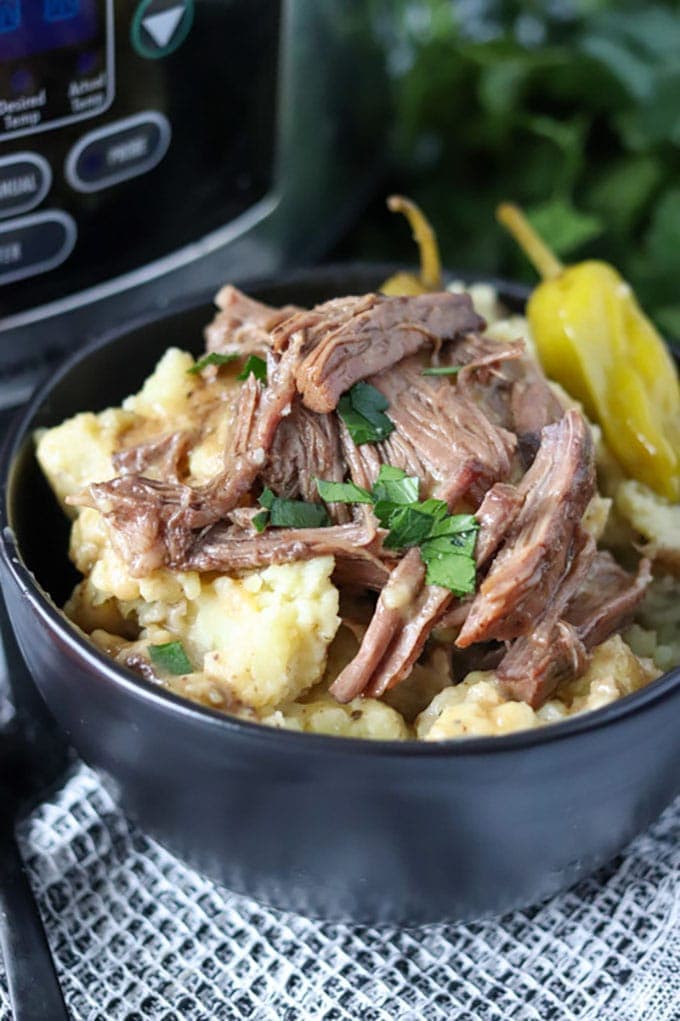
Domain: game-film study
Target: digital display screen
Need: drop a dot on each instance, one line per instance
(28, 27)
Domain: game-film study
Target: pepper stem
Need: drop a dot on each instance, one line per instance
(544, 261)
(426, 239)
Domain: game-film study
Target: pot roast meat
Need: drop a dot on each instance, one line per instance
(314, 324)
(535, 555)
(512, 390)
(494, 438)
(552, 652)
(442, 436)
(360, 575)
(607, 599)
(481, 357)
(403, 586)
(533, 405)
(598, 600)
(496, 514)
(146, 518)
(165, 453)
(243, 325)
(536, 664)
(477, 454)
(226, 548)
(346, 340)
(306, 446)
(153, 523)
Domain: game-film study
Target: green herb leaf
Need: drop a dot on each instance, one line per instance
(455, 524)
(394, 486)
(442, 370)
(443, 545)
(261, 520)
(390, 473)
(362, 410)
(292, 513)
(409, 526)
(255, 365)
(171, 657)
(298, 514)
(342, 492)
(454, 571)
(266, 498)
(214, 358)
(565, 227)
(437, 508)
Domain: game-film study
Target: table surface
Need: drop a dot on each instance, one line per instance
(136, 935)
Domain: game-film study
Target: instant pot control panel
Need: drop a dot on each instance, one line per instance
(152, 149)
(127, 130)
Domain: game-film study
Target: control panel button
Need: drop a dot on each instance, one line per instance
(33, 244)
(25, 180)
(160, 26)
(118, 151)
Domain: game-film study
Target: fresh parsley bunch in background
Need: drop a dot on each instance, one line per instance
(571, 109)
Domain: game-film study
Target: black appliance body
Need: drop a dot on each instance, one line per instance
(151, 149)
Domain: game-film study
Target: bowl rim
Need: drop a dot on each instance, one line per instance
(658, 690)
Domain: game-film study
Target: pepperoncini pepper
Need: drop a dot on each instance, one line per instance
(430, 278)
(594, 339)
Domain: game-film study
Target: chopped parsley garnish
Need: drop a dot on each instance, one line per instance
(214, 358)
(342, 492)
(289, 513)
(267, 498)
(171, 657)
(261, 520)
(394, 486)
(408, 526)
(442, 370)
(446, 541)
(449, 568)
(362, 409)
(255, 365)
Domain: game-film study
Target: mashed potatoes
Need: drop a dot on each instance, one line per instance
(266, 644)
(477, 707)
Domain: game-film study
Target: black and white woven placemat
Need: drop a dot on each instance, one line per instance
(138, 936)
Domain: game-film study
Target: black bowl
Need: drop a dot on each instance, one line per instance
(333, 828)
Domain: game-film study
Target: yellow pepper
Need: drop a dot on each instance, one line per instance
(594, 339)
(430, 278)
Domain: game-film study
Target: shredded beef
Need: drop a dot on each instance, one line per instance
(243, 325)
(552, 652)
(403, 586)
(493, 440)
(533, 405)
(408, 609)
(496, 515)
(226, 548)
(534, 557)
(607, 599)
(166, 454)
(442, 436)
(481, 357)
(360, 575)
(348, 340)
(513, 392)
(153, 522)
(306, 447)
(537, 664)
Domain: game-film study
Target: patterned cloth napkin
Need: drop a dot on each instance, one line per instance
(136, 935)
